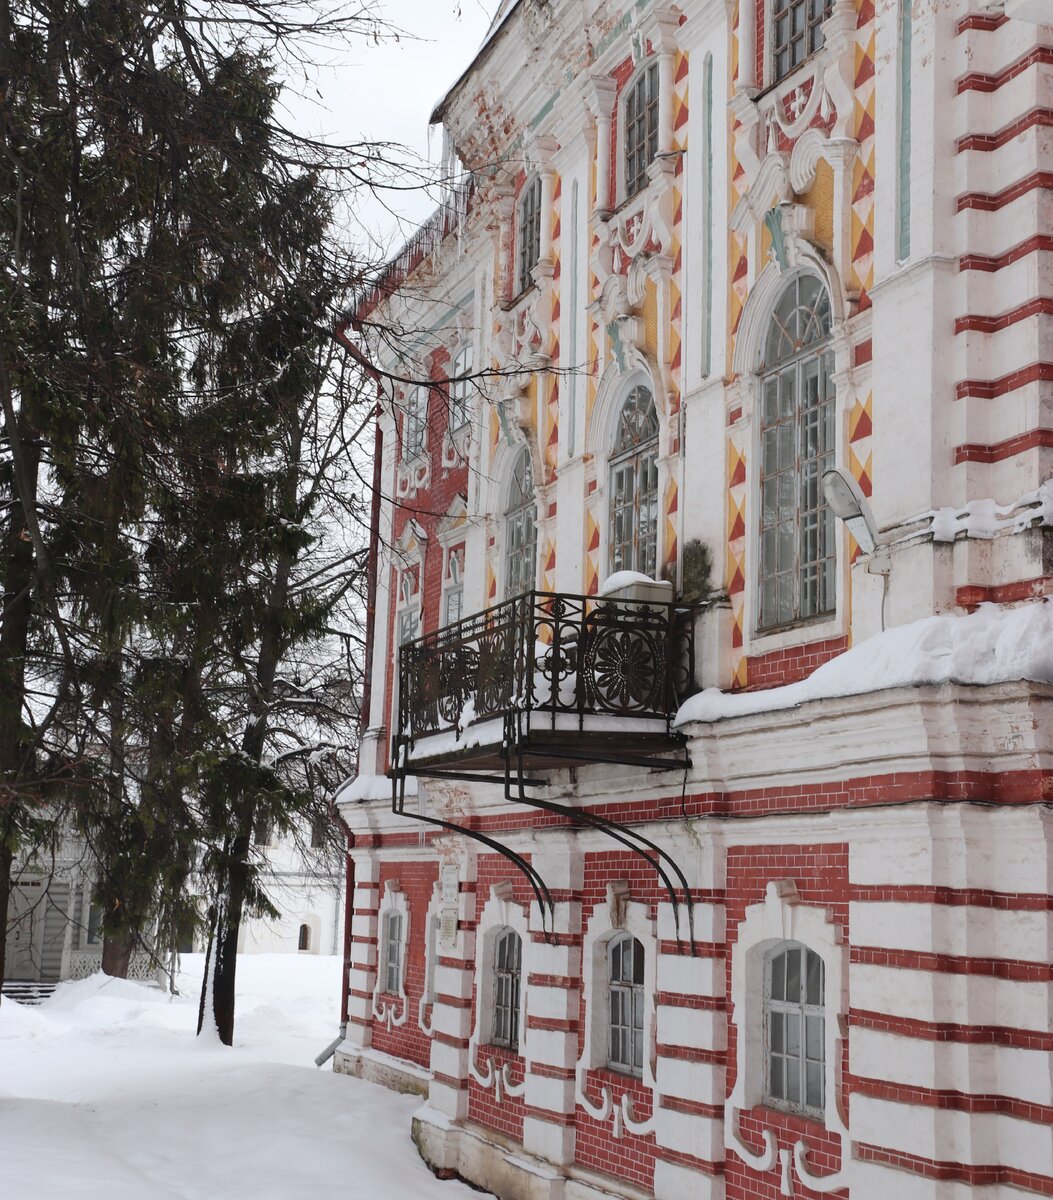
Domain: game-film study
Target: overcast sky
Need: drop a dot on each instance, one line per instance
(386, 92)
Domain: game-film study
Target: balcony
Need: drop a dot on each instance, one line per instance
(541, 682)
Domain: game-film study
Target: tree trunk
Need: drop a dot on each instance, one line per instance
(117, 953)
(6, 859)
(221, 965)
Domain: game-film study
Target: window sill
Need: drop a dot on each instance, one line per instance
(519, 298)
(796, 633)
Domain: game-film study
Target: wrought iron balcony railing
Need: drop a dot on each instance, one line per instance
(541, 674)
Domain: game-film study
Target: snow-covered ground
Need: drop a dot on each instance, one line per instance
(106, 1093)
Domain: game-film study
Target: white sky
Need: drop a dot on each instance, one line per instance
(386, 92)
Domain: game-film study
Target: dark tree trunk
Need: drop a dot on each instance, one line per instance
(226, 928)
(6, 859)
(117, 953)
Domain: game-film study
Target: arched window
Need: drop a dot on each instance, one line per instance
(521, 529)
(508, 957)
(305, 938)
(458, 388)
(528, 233)
(625, 961)
(415, 422)
(641, 128)
(795, 1029)
(392, 946)
(634, 486)
(796, 33)
(797, 446)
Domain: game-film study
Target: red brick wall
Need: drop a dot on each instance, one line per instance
(791, 664)
(821, 876)
(416, 880)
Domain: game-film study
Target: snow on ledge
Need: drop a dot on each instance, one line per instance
(991, 645)
(988, 519)
(622, 579)
(370, 787)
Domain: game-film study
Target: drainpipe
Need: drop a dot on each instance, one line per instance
(367, 680)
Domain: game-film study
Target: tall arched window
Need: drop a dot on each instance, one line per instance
(508, 957)
(795, 1029)
(521, 529)
(797, 446)
(528, 233)
(634, 486)
(625, 961)
(305, 938)
(641, 128)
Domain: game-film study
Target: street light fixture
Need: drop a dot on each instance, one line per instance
(847, 502)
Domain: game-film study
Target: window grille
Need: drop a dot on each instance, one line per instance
(415, 422)
(795, 1027)
(529, 233)
(508, 954)
(634, 486)
(521, 529)
(392, 951)
(625, 959)
(797, 32)
(797, 446)
(459, 388)
(641, 129)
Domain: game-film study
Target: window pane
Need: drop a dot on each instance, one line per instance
(814, 1093)
(793, 1080)
(793, 974)
(778, 1038)
(778, 977)
(778, 1085)
(815, 979)
(793, 1034)
(813, 1028)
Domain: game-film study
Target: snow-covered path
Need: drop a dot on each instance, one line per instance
(106, 1093)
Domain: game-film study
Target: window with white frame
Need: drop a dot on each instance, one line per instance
(528, 233)
(796, 33)
(521, 529)
(634, 486)
(391, 973)
(415, 422)
(797, 555)
(408, 623)
(625, 1045)
(458, 389)
(508, 958)
(640, 137)
(453, 588)
(795, 1029)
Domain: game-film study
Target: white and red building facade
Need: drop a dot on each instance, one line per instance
(639, 922)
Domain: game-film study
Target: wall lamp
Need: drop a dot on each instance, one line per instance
(847, 502)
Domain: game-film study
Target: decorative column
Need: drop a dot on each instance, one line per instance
(601, 96)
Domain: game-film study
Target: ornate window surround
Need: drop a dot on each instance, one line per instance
(617, 457)
(500, 912)
(620, 914)
(457, 436)
(391, 1008)
(428, 994)
(782, 917)
(412, 471)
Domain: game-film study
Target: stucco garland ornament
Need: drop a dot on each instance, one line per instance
(779, 918)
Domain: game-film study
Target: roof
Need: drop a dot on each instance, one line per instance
(504, 11)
